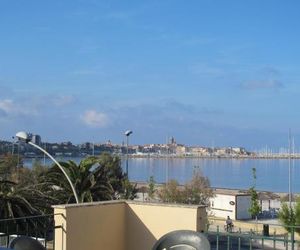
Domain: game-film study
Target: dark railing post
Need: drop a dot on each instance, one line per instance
(17, 228)
(45, 233)
(293, 237)
(239, 239)
(27, 227)
(7, 234)
(36, 229)
(37, 226)
(250, 239)
(228, 241)
(53, 240)
(218, 232)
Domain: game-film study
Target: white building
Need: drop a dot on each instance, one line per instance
(233, 203)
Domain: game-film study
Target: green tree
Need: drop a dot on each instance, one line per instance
(255, 208)
(89, 178)
(111, 165)
(20, 195)
(14, 202)
(198, 190)
(129, 190)
(297, 215)
(151, 187)
(121, 186)
(171, 192)
(32, 176)
(94, 178)
(290, 216)
(21, 201)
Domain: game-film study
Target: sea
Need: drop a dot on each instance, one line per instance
(271, 174)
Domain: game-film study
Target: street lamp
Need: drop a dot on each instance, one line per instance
(290, 189)
(127, 133)
(25, 137)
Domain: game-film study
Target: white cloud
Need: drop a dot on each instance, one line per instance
(95, 119)
(262, 84)
(11, 108)
(63, 100)
(6, 105)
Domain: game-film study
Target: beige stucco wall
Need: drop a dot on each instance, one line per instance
(60, 233)
(91, 226)
(146, 222)
(120, 225)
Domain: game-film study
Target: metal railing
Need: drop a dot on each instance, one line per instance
(41, 228)
(250, 236)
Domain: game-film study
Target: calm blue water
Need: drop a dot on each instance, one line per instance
(272, 175)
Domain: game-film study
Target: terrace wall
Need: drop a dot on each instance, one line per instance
(122, 225)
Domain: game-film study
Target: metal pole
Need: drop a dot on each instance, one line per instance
(61, 168)
(127, 155)
(12, 148)
(18, 161)
(45, 146)
(290, 193)
(293, 238)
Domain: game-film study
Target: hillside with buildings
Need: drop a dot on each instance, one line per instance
(170, 149)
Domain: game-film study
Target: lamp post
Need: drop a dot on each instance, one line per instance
(290, 189)
(18, 156)
(23, 136)
(13, 146)
(127, 133)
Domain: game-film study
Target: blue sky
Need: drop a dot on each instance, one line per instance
(222, 73)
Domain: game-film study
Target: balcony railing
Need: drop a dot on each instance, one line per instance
(40, 228)
(245, 235)
(251, 235)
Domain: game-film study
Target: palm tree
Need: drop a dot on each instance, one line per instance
(94, 179)
(89, 178)
(17, 201)
(20, 193)
(14, 201)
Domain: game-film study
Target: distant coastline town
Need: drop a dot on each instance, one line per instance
(169, 149)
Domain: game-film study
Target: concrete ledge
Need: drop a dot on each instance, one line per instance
(144, 203)
(89, 204)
